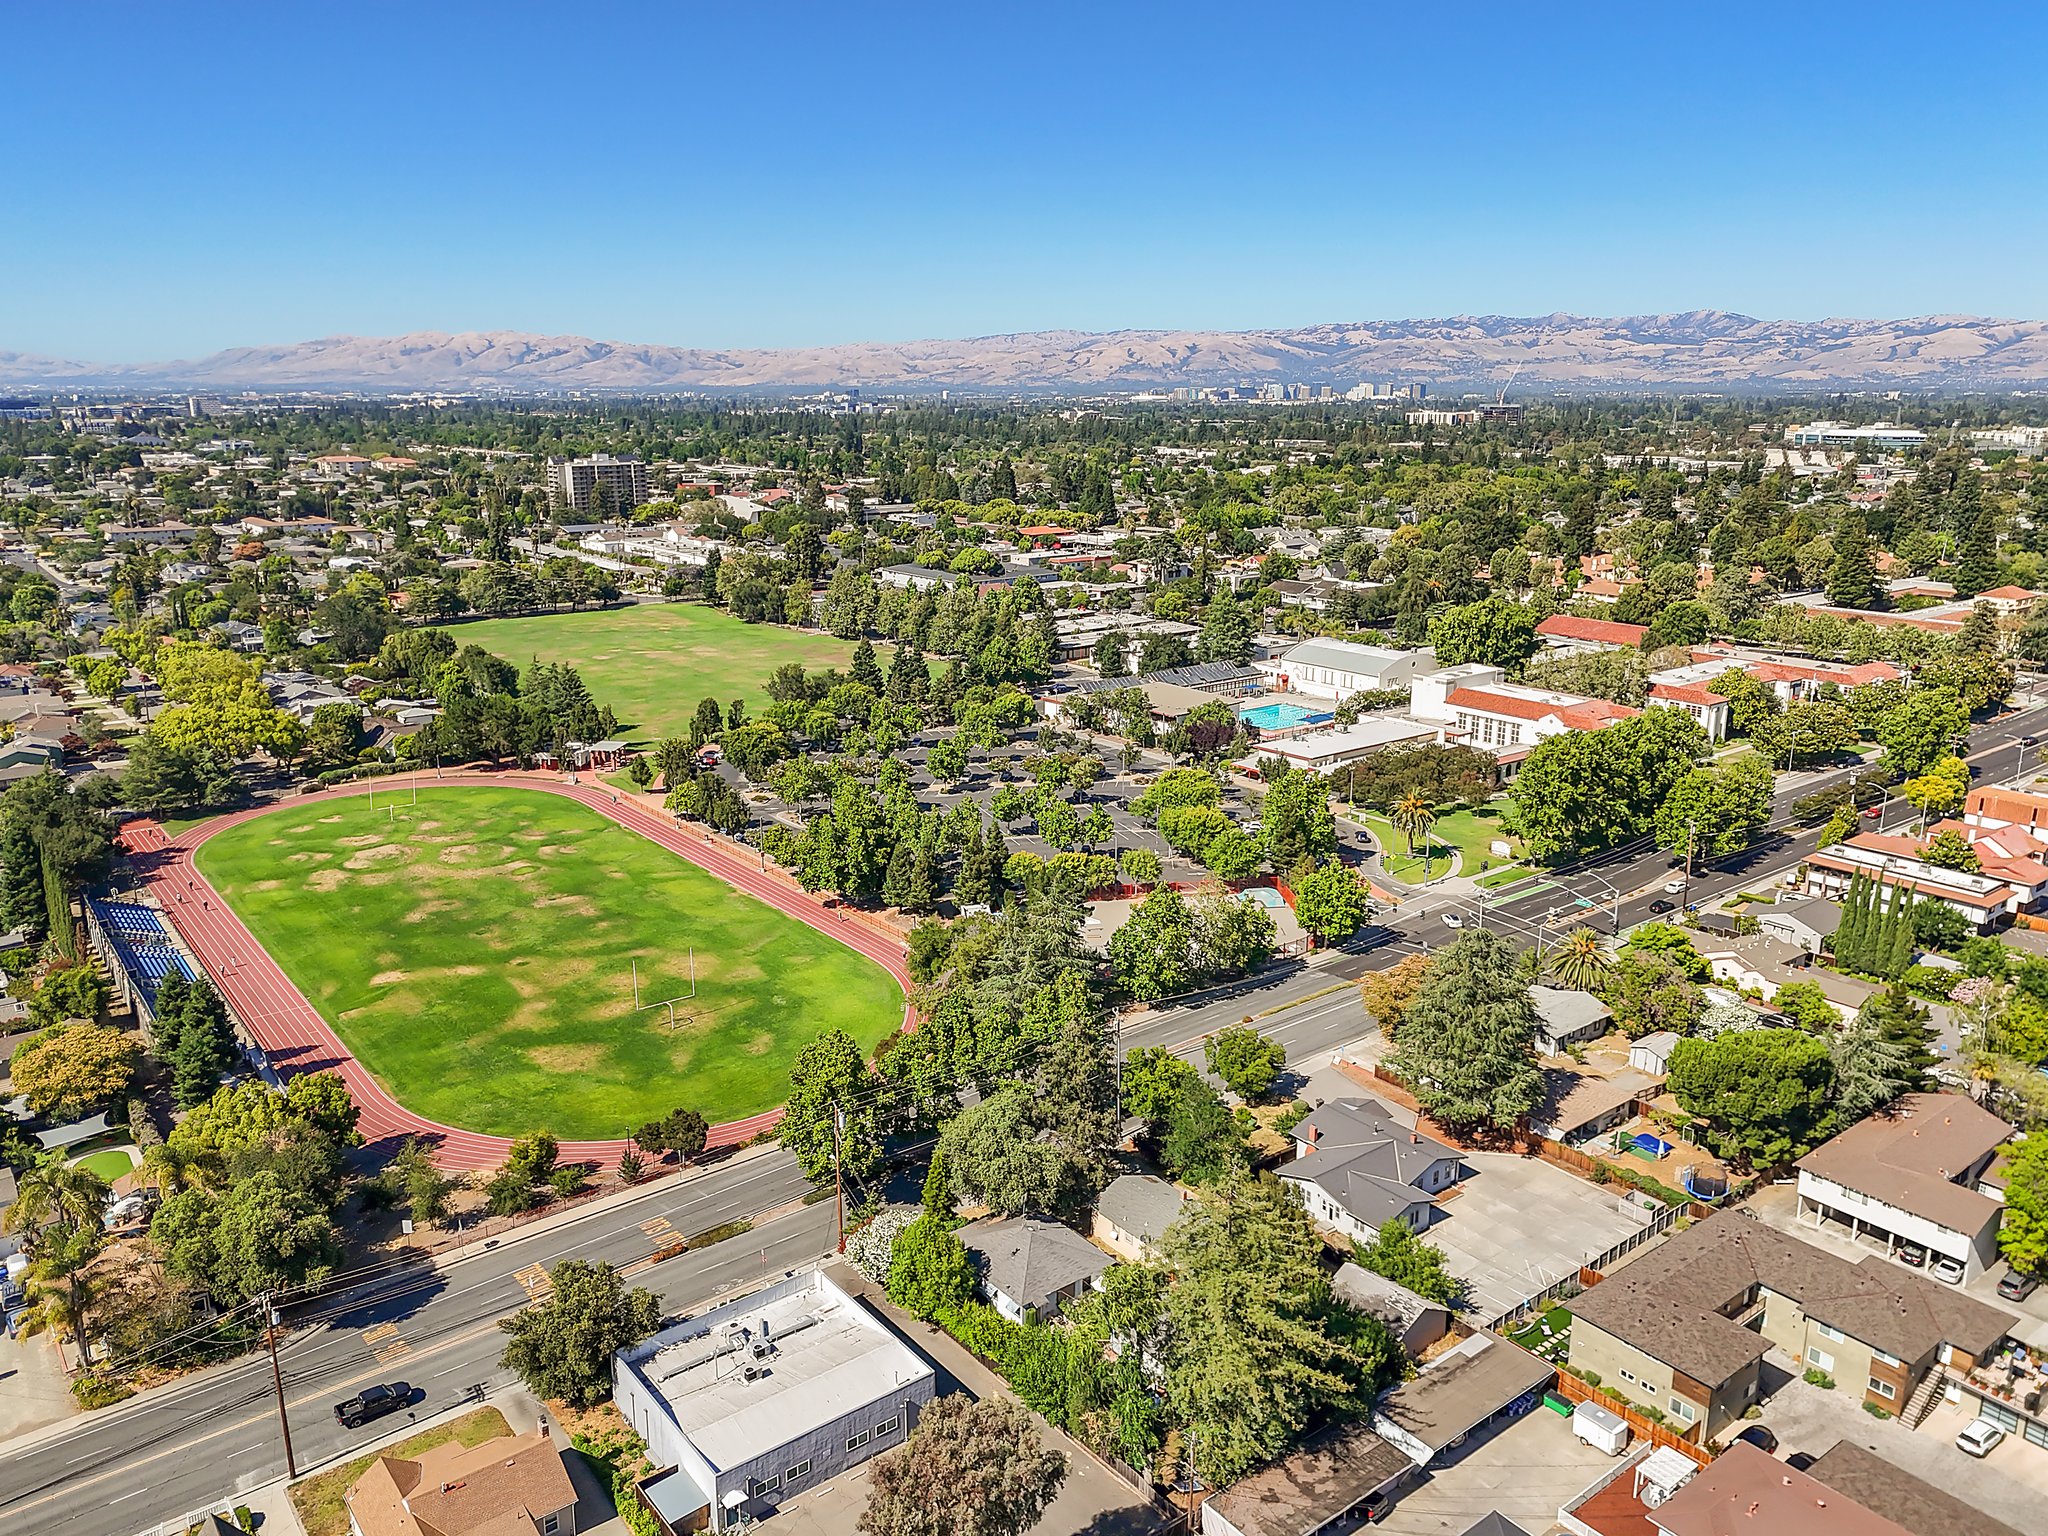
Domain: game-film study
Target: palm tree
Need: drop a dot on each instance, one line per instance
(1413, 813)
(1579, 961)
(63, 1205)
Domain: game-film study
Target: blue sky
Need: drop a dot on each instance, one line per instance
(184, 179)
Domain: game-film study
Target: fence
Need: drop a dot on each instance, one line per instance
(1573, 1390)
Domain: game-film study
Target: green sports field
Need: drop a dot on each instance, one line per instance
(653, 662)
(476, 954)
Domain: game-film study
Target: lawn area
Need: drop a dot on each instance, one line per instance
(320, 1502)
(109, 1163)
(652, 662)
(476, 954)
(1469, 833)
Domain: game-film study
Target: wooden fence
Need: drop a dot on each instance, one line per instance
(1573, 1390)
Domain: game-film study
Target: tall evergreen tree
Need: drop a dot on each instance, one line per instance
(865, 669)
(1467, 1042)
(1976, 567)
(1852, 581)
(1899, 954)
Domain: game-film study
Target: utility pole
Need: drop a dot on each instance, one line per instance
(838, 1173)
(1691, 837)
(291, 1465)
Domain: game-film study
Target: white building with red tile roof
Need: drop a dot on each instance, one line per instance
(1707, 707)
(1478, 707)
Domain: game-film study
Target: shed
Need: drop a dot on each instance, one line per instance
(1415, 1320)
(1652, 1053)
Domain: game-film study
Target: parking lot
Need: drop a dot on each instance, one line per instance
(1526, 1468)
(1518, 1225)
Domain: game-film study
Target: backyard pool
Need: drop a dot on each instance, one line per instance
(1265, 896)
(1279, 717)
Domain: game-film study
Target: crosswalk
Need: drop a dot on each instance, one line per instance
(385, 1343)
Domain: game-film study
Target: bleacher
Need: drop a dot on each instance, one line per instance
(144, 945)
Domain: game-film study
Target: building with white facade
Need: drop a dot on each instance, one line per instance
(762, 1398)
(1985, 901)
(1336, 669)
(1357, 1168)
(1322, 751)
(1909, 1174)
(1479, 708)
(1879, 437)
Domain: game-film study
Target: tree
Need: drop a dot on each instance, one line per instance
(73, 1069)
(1763, 1092)
(1201, 1141)
(1331, 902)
(1153, 952)
(426, 1188)
(52, 843)
(974, 1467)
(1580, 962)
(562, 1347)
(1976, 567)
(159, 778)
(1141, 866)
(1413, 816)
(930, 1273)
(62, 1204)
(1712, 812)
(1387, 995)
(1650, 991)
(335, 734)
(1951, 850)
(993, 1156)
(1254, 1345)
(1299, 826)
(1397, 1254)
(1922, 730)
(1807, 1006)
(1231, 934)
(1751, 702)
(2023, 1232)
(682, 1131)
(1466, 1045)
(1806, 730)
(1940, 789)
(1852, 579)
(1870, 1071)
(1586, 790)
(1248, 1062)
(831, 1072)
(1494, 631)
(1226, 631)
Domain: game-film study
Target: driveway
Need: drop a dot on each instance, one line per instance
(33, 1387)
(2010, 1485)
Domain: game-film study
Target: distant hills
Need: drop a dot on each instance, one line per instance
(1700, 349)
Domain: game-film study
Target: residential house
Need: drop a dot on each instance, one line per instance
(1579, 1104)
(1797, 918)
(1567, 1017)
(1415, 1320)
(1133, 1213)
(1685, 1327)
(1755, 962)
(1909, 1174)
(1566, 635)
(1358, 1168)
(510, 1486)
(1028, 1269)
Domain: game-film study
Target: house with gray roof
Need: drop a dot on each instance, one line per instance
(1357, 1168)
(1322, 1484)
(1133, 1213)
(1415, 1320)
(1567, 1017)
(1027, 1269)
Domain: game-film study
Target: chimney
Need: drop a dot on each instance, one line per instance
(544, 1429)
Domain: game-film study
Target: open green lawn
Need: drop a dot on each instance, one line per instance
(109, 1163)
(476, 954)
(1470, 833)
(653, 662)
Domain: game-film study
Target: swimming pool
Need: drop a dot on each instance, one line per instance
(1264, 895)
(1278, 717)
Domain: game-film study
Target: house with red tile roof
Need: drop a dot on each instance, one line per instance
(1707, 707)
(1478, 707)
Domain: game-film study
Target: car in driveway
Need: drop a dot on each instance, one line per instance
(2016, 1285)
(1979, 1438)
(1760, 1437)
(1945, 1269)
(372, 1403)
(1913, 1254)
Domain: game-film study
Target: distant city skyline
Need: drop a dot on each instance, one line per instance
(247, 175)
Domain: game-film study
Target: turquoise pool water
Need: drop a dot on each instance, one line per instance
(1264, 895)
(1278, 717)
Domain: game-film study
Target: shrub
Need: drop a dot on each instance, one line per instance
(1876, 1412)
(100, 1391)
(1592, 1378)
(1820, 1379)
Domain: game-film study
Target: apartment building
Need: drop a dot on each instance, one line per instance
(1983, 900)
(603, 481)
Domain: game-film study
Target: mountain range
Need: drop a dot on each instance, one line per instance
(1696, 350)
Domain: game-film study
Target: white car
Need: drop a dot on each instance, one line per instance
(1452, 920)
(1945, 1269)
(1979, 1438)
(1674, 887)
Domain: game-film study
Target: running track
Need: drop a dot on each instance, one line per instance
(297, 1039)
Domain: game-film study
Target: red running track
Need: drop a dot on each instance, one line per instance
(297, 1039)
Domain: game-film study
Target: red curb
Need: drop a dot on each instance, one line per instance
(295, 1036)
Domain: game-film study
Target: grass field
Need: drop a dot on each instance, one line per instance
(476, 955)
(109, 1163)
(653, 662)
(1469, 833)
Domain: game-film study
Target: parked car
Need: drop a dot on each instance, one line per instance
(1760, 1437)
(1945, 1269)
(2014, 1285)
(1799, 1461)
(372, 1403)
(1912, 1253)
(1980, 1437)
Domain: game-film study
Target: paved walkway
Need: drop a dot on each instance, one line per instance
(297, 1039)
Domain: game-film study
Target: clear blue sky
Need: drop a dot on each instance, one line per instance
(179, 179)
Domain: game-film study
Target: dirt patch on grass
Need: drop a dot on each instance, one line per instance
(360, 840)
(324, 880)
(390, 978)
(457, 852)
(370, 858)
(760, 1045)
(566, 1058)
(329, 820)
